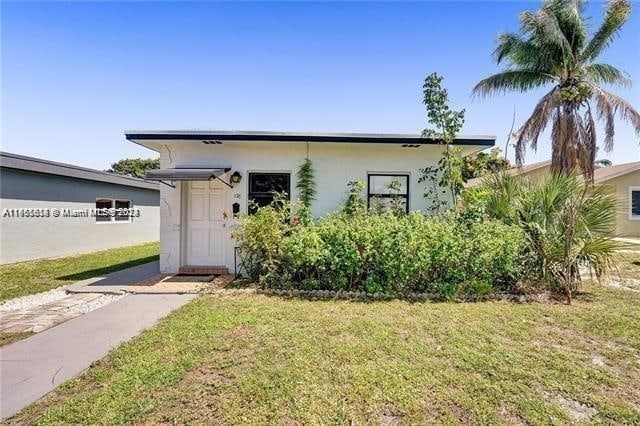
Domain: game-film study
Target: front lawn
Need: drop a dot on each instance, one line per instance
(249, 359)
(22, 279)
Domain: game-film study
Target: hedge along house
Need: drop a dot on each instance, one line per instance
(47, 209)
(210, 177)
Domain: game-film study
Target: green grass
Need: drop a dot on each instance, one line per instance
(7, 338)
(250, 359)
(21, 279)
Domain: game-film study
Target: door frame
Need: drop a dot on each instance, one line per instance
(185, 187)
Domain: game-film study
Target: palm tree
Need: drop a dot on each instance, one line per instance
(553, 48)
(569, 225)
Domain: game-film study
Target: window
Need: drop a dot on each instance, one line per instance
(263, 187)
(634, 202)
(102, 207)
(122, 210)
(382, 194)
(109, 210)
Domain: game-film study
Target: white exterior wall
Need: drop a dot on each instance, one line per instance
(335, 164)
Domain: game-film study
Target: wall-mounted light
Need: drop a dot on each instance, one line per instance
(236, 177)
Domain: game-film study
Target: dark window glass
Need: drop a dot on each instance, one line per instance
(120, 215)
(263, 187)
(101, 210)
(380, 194)
(635, 203)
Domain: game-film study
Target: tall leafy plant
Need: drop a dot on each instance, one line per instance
(306, 184)
(446, 126)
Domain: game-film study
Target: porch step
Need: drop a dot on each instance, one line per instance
(203, 270)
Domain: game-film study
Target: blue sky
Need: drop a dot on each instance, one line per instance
(75, 75)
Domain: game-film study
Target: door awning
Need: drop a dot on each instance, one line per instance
(186, 174)
(193, 174)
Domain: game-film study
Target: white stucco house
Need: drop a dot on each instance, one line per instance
(209, 177)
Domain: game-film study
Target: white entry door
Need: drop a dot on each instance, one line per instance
(205, 224)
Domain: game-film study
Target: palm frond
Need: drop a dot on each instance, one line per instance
(544, 26)
(522, 53)
(536, 123)
(620, 106)
(606, 113)
(568, 13)
(518, 80)
(617, 13)
(608, 74)
(587, 145)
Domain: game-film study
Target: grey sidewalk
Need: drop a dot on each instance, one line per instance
(31, 368)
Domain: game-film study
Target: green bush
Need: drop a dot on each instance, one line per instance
(384, 253)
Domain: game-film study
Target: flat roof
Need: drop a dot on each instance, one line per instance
(38, 165)
(273, 136)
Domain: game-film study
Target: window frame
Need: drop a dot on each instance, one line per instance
(633, 189)
(394, 174)
(250, 176)
(112, 219)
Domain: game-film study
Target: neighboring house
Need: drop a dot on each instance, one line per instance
(532, 172)
(48, 209)
(200, 200)
(622, 179)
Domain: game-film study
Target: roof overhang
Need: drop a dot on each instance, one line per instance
(153, 138)
(38, 165)
(192, 174)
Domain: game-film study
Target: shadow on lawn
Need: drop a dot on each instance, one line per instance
(90, 273)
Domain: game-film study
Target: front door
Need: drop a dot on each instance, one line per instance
(205, 223)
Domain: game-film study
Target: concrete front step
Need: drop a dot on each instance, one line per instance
(203, 270)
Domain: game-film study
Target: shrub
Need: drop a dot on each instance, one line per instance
(385, 253)
(568, 224)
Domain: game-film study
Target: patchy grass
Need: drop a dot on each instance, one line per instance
(7, 338)
(22, 279)
(629, 264)
(250, 359)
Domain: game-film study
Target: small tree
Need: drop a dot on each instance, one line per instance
(433, 190)
(135, 167)
(354, 203)
(447, 124)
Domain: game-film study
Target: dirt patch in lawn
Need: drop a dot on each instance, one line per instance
(575, 410)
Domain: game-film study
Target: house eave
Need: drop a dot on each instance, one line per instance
(143, 137)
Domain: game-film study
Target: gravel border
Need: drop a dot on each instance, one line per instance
(363, 296)
(33, 300)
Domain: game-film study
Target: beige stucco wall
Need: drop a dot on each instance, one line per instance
(625, 225)
(335, 164)
(536, 175)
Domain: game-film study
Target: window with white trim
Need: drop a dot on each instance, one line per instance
(634, 202)
(112, 210)
(385, 189)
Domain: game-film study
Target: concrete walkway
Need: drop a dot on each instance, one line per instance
(117, 282)
(31, 368)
